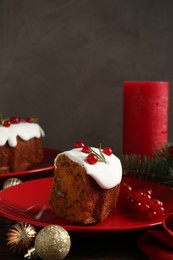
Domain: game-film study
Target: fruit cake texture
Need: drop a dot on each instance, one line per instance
(82, 192)
(21, 146)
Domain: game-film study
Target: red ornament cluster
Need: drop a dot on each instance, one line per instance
(16, 120)
(92, 157)
(140, 202)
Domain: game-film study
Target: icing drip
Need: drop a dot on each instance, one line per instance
(107, 175)
(24, 130)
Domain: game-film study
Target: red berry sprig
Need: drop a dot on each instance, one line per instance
(93, 157)
(86, 149)
(140, 202)
(6, 123)
(31, 120)
(28, 120)
(15, 120)
(78, 144)
(107, 151)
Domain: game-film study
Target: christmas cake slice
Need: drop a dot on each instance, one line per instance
(21, 144)
(86, 184)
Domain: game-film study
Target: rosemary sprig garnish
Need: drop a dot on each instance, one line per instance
(34, 119)
(99, 155)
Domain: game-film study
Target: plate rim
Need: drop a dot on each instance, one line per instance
(34, 170)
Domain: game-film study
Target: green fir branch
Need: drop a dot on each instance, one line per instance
(159, 168)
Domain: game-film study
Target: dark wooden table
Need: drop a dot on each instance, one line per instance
(85, 246)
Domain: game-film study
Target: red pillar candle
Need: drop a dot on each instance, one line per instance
(145, 117)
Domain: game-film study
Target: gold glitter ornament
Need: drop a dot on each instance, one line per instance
(11, 182)
(20, 237)
(52, 243)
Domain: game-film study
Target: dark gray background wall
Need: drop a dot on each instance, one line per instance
(65, 62)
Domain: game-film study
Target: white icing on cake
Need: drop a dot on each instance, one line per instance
(24, 130)
(107, 175)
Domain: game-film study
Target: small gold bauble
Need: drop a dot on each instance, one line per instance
(11, 182)
(20, 237)
(52, 243)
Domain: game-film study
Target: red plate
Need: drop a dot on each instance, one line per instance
(28, 202)
(46, 165)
